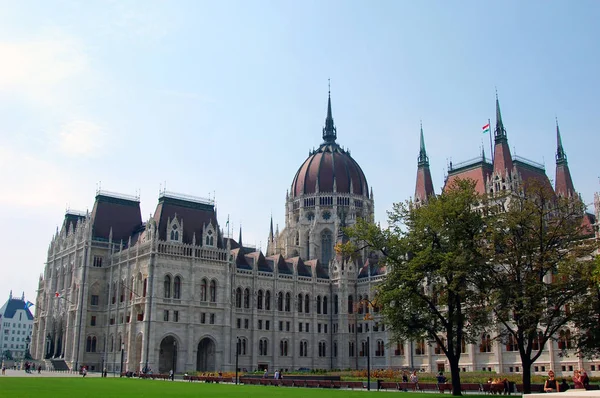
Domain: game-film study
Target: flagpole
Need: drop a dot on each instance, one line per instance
(491, 147)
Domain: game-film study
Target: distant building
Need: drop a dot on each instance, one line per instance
(16, 325)
(176, 292)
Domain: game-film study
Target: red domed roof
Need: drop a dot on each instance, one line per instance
(324, 166)
(328, 166)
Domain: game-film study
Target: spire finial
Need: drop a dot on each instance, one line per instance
(561, 156)
(329, 131)
(423, 158)
(240, 238)
(271, 236)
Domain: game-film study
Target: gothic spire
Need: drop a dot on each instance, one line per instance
(329, 131)
(423, 158)
(271, 235)
(561, 156)
(240, 238)
(500, 132)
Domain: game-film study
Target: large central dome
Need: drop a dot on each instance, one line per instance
(330, 168)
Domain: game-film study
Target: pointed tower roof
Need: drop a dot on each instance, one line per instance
(240, 238)
(563, 185)
(502, 157)
(271, 236)
(424, 185)
(329, 131)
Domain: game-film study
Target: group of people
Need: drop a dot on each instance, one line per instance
(277, 375)
(580, 381)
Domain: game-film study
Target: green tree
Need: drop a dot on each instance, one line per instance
(588, 323)
(539, 269)
(434, 255)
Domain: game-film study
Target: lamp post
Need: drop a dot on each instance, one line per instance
(174, 357)
(27, 341)
(122, 358)
(237, 355)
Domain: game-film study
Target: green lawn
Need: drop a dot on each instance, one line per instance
(24, 387)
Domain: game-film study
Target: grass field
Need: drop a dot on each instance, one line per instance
(23, 387)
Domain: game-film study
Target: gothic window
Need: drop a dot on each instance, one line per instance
(90, 345)
(310, 216)
(246, 298)
(262, 347)
(304, 348)
(283, 348)
(438, 347)
(326, 247)
(511, 345)
(306, 304)
(167, 285)
(177, 288)
(564, 339)
(318, 304)
(322, 349)
(420, 347)
(308, 246)
(238, 298)
(297, 238)
(486, 343)
(335, 348)
(326, 215)
(242, 345)
(259, 300)
(335, 304)
(203, 285)
(213, 291)
(324, 304)
(300, 302)
(280, 301)
(350, 304)
(288, 300)
(268, 300)
(537, 342)
(399, 348)
(209, 238)
(174, 233)
(380, 349)
(351, 349)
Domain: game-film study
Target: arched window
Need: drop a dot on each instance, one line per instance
(167, 286)
(363, 348)
(318, 304)
(242, 345)
(322, 349)
(213, 291)
(262, 347)
(324, 304)
(246, 298)
(90, 344)
(300, 302)
(306, 304)
(111, 343)
(511, 345)
(177, 288)
(335, 304)
(420, 347)
(259, 300)
(351, 349)
(288, 300)
(268, 300)
(538, 341)
(486, 343)
(564, 339)
(366, 303)
(280, 301)
(438, 348)
(283, 348)
(350, 304)
(297, 238)
(380, 349)
(238, 297)
(304, 348)
(203, 285)
(360, 304)
(399, 348)
(326, 247)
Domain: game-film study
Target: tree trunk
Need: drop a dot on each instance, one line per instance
(526, 362)
(455, 375)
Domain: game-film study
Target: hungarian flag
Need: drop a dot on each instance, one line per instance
(57, 295)
(486, 128)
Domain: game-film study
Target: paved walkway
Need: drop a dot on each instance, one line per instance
(21, 373)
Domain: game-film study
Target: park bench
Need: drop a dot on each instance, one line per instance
(311, 383)
(445, 387)
(340, 384)
(287, 382)
(475, 387)
(355, 384)
(406, 386)
(427, 387)
(325, 384)
(388, 385)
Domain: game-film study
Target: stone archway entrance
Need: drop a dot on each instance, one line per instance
(205, 359)
(167, 357)
(137, 353)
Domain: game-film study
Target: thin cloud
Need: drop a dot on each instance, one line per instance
(36, 68)
(81, 138)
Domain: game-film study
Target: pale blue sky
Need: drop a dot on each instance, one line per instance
(229, 96)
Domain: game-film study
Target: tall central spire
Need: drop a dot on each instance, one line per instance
(329, 131)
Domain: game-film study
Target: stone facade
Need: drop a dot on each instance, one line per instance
(174, 293)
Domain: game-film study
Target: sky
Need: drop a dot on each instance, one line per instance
(226, 98)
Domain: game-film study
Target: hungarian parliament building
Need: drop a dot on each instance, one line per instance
(174, 292)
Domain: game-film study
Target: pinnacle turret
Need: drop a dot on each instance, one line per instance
(423, 158)
(500, 132)
(561, 156)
